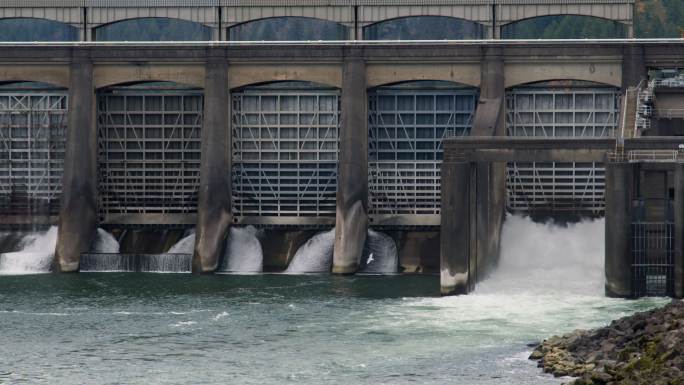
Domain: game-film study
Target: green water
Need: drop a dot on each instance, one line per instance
(278, 329)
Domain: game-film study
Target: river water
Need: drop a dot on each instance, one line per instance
(308, 329)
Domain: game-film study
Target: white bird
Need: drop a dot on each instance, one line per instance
(370, 259)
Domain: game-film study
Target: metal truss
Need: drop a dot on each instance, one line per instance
(32, 138)
(559, 112)
(285, 150)
(405, 131)
(149, 150)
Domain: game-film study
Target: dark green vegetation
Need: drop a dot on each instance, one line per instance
(646, 348)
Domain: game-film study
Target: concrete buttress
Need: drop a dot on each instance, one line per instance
(213, 209)
(78, 212)
(351, 221)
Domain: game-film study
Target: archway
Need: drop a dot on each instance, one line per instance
(33, 29)
(285, 149)
(153, 29)
(559, 108)
(288, 28)
(149, 148)
(564, 27)
(406, 124)
(33, 122)
(425, 28)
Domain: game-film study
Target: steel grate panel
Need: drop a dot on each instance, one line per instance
(652, 258)
(32, 141)
(149, 151)
(285, 150)
(405, 132)
(559, 112)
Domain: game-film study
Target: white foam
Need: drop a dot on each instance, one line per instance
(35, 257)
(315, 256)
(243, 251)
(380, 254)
(105, 243)
(547, 257)
(184, 246)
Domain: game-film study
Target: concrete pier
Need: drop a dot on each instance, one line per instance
(351, 222)
(618, 254)
(78, 213)
(679, 230)
(455, 250)
(213, 208)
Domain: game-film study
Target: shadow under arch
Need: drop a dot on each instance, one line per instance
(149, 149)
(288, 28)
(425, 28)
(564, 26)
(153, 29)
(28, 29)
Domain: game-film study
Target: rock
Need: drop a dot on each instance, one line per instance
(645, 348)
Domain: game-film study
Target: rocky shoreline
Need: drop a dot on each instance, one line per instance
(645, 348)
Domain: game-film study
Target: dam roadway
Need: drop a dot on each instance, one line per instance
(219, 174)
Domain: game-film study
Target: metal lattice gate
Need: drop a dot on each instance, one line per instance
(652, 258)
(149, 150)
(285, 150)
(32, 138)
(405, 130)
(559, 112)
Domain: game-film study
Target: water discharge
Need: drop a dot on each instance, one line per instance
(379, 254)
(315, 256)
(37, 251)
(243, 251)
(545, 258)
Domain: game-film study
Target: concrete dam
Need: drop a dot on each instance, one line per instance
(409, 151)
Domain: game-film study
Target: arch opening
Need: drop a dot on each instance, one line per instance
(288, 28)
(153, 29)
(149, 148)
(33, 123)
(425, 28)
(285, 149)
(34, 29)
(560, 108)
(406, 124)
(564, 27)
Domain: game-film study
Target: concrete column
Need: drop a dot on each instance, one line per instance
(618, 253)
(491, 177)
(351, 222)
(633, 66)
(679, 230)
(455, 229)
(78, 212)
(213, 208)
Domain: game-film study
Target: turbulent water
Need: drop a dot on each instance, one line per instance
(379, 254)
(315, 256)
(309, 329)
(35, 254)
(243, 251)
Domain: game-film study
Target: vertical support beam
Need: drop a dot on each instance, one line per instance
(213, 209)
(78, 213)
(491, 177)
(455, 229)
(351, 224)
(633, 66)
(679, 230)
(618, 253)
